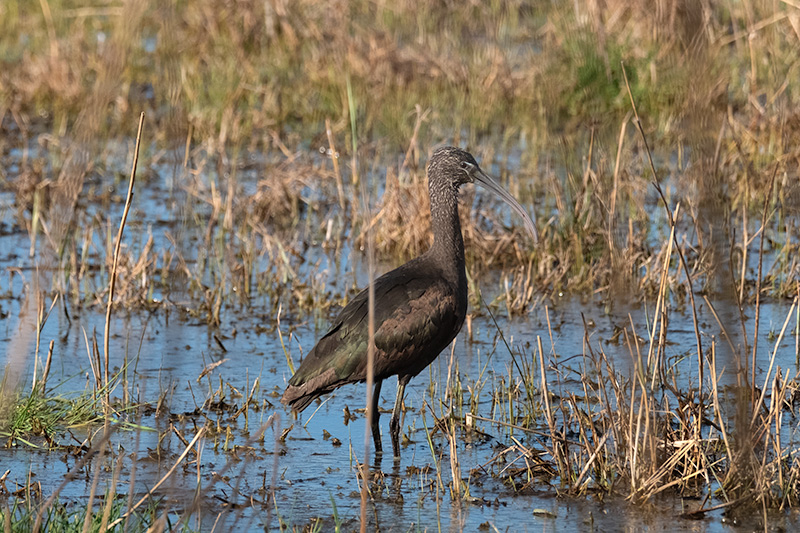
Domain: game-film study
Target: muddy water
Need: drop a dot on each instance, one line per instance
(312, 470)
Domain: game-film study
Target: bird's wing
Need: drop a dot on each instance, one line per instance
(407, 311)
(342, 350)
(424, 318)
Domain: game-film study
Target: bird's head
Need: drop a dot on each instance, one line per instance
(452, 167)
(457, 166)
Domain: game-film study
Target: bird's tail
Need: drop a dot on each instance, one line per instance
(298, 398)
(303, 390)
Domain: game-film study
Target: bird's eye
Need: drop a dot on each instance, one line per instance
(465, 165)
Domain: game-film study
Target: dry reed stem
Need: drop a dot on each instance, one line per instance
(455, 467)
(87, 521)
(370, 350)
(41, 320)
(92, 364)
(719, 415)
(286, 353)
(722, 327)
(334, 155)
(48, 362)
(117, 247)
(765, 387)
(612, 212)
(757, 317)
(595, 452)
(660, 315)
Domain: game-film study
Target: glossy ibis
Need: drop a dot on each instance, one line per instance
(419, 306)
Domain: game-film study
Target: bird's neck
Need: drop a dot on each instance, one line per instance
(448, 243)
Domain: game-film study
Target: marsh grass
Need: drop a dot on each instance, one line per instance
(65, 517)
(39, 416)
(593, 211)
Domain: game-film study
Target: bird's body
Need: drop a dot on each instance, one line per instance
(419, 306)
(423, 315)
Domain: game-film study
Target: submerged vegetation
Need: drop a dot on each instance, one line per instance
(657, 146)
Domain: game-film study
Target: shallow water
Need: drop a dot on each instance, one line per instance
(313, 470)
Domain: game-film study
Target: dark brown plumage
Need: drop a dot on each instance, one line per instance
(419, 306)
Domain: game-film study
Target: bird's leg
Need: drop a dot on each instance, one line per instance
(394, 424)
(376, 429)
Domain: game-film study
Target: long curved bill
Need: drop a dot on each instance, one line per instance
(482, 178)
